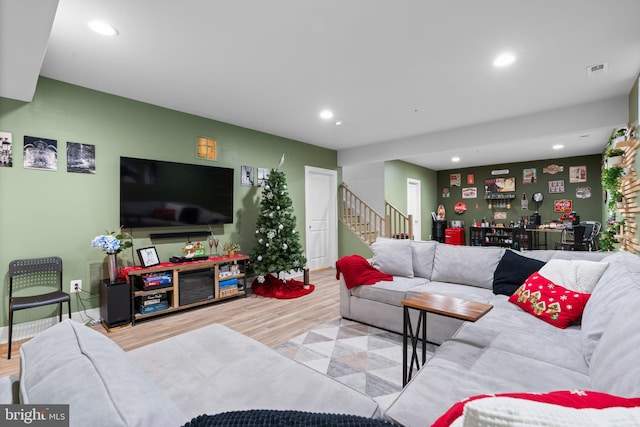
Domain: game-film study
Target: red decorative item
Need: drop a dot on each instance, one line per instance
(272, 287)
(549, 302)
(357, 271)
(577, 399)
(460, 207)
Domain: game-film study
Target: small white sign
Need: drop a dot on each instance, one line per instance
(500, 172)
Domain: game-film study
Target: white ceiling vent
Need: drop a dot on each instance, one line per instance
(597, 70)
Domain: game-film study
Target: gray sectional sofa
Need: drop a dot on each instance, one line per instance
(211, 370)
(508, 350)
(214, 370)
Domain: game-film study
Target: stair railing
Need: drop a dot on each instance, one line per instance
(360, 217)
(397, 224)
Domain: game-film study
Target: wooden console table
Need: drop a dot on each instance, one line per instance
(432, 303)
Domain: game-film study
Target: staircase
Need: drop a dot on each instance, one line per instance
(369, 224)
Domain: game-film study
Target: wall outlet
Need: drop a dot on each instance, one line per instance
(76, 285)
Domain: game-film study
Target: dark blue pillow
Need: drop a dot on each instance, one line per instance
(284, 418)
(512, 271)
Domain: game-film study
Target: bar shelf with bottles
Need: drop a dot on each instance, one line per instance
(514, 235)
(492, 236)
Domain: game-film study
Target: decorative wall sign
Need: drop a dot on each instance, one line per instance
(499, 215)
(460, 207)
(40, 153)
(577, 174)
(563, 205)
(446, 193)
(500, 185)
(470, 193)
(247, 176)
(529, 176)
(583, 192)
(556, 186)
(81, 158)
(455, 180)
(471, 179)
(553, 169)
(500, 172)
(6, 153)
(206, 148)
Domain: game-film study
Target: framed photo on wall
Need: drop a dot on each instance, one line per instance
(148, 256)
(263, 174)
(247, 176)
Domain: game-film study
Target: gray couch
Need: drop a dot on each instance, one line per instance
(508, 350)
(209, 370)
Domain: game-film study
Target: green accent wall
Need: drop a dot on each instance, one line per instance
(48, 213)
(396, 173)
(477, 208)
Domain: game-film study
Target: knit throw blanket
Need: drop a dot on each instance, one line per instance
(356, 271)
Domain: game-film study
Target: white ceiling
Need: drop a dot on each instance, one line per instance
(410, 79)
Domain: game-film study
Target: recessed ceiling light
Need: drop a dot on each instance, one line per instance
(326, 114)
(103, 28)
(558, 147)
(338, 123)
(455, 159)
(504, 59)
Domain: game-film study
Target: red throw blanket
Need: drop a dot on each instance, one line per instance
(357, 271)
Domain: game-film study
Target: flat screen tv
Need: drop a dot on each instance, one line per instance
(155, 193)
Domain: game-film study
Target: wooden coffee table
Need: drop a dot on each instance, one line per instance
(432, 303)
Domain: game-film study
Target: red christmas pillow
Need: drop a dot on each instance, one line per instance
(552, 303)
(577, 399)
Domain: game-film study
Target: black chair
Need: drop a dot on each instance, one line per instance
(592, 240)
(38, 273)
(574, 238)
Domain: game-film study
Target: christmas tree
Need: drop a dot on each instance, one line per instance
(277, 247)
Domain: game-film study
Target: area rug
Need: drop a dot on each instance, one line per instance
(365, 358)
(272, 287)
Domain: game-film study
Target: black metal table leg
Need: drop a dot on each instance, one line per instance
(405, 325)
(408, 332)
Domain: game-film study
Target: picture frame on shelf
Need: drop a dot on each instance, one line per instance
(148, 256)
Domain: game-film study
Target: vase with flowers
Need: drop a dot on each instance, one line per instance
(112, 243)
(567, 219)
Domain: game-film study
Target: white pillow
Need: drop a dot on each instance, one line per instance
(512, 412)
(577, 275)
(393, 256)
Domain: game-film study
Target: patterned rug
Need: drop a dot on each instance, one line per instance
(365, 358)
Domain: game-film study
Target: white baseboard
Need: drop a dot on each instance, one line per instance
(22, 331)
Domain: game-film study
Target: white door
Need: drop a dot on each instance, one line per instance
(414, 206)
(321, 217)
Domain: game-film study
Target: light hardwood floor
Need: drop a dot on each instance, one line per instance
(268, 320)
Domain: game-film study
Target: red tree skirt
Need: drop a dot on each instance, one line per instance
(273, 287)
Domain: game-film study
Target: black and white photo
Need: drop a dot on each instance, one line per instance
(263, 174)
(247, 176)
(6, 155)
(81, 158)
(40, 153)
